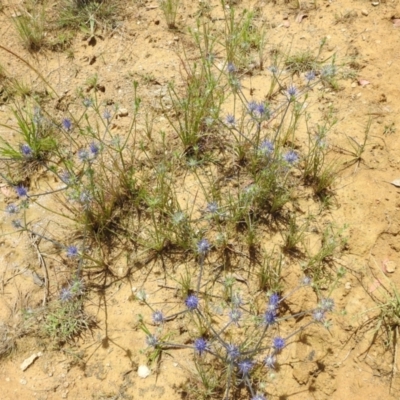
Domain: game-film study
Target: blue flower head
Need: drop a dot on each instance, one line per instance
(310, 76)
(278, 343)
(327, 304)
(21, 191)
(269, 317)
(291, 157)
(200, 345)
(67, 124)
(274, 299)
(94, 149)
(12, 209)
(152, 340)
(158, 317)
(107, 115)
(203, 247)
(26, 151)
(72, 251)
(66, 294)
(232, 352)
(292, 91)
(192, 302)
(318, 315)
(245, 366)
(83, 155)
(270, 361)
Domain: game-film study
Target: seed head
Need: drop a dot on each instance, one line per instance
(235, 315)
(66, 294)
(306, 281)
(212, 207)
(17, 224)
(232, 352)
(291, 157)
(107, 115)
(310, 76)
(231, 68)
(270, 361)
(292, 91)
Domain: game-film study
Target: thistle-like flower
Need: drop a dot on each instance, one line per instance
(158, 317)
(278, 343)
(201, 346)
(192, 302)
(26, 151)
(203, 247)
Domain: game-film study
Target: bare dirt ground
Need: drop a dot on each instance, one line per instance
(353, 360)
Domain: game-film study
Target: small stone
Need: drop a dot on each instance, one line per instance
(122, 112)
(143, 371)
(354, 84)
(390, 267)
(29, 361)
(375, 3)
(22, 381)
(347, 285)
(364, 12)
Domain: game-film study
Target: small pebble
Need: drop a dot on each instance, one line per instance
(364, 12)
(23, 382)
(143, 371)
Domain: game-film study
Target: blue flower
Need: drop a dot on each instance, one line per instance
(232, 352)
(327, 304)
(66, 294)
(87, 103)
(292, 91)
(267, 147)
(278, 343)
(269, 317)
(152, 340)
(83, 155)
(94, 149)
(21, 191)
(67, 124)
(203, 247)
(245, 366)
(192, 302)
(231, 68)
(274, 299)
(12, 209)
(291, 157)
(72, 251)
(26, 151)
(158, 317)
(310, 76)
(201, 345)
(230, 119)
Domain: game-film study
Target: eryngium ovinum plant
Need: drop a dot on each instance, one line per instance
(234, 341)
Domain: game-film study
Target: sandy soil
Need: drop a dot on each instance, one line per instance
(103, 364)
